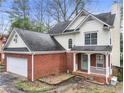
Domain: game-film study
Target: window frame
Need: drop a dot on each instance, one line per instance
(90, 38)
(15, 38)
(99, 60)
(70, 43)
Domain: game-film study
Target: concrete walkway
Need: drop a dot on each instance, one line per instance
(7, 82)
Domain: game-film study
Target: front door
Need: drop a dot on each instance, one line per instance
(84, 62)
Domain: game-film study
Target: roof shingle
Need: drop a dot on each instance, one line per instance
(39, 41)
(92, 48)
(105, 17)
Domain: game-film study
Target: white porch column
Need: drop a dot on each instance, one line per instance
(107, 68)
(74, 62)
(88, 63)
(110, 69)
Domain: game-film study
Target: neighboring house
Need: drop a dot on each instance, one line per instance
(89, 46)
(3, 39)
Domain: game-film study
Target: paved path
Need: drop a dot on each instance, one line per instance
(7, 83)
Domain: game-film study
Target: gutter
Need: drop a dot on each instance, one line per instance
(88, 52)
(15, 52)
(47, 52)
(65, 33)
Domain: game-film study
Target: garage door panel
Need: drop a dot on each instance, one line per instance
(17, 65)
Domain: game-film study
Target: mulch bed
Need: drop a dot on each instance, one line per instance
(56, 79)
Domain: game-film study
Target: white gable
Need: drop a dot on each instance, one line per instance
(18, 43)
(76, 22)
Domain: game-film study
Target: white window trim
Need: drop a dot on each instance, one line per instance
(97, 62)
(69, 43)
(90, 38)
(15, 38)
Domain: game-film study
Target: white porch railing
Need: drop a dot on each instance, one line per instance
(98, 70)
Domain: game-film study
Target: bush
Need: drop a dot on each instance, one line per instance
(120, 74)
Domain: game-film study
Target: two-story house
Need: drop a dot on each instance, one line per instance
(88, 45)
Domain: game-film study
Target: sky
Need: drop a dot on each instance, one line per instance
(96, 7)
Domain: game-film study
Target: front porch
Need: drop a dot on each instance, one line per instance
(92, 64)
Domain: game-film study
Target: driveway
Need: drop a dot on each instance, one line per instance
(7, 82)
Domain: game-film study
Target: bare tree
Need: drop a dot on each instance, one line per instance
(63, 10)
(4, 24)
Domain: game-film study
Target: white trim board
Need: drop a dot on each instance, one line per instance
(10, 38)
(89, 14)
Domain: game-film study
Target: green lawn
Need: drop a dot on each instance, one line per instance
(93, 88)
(2, 67)
(32, 87)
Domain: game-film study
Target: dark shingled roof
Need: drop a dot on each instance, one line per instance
(92, 48)
(16, 49)
(39, 41)
(105, 17)
(59, 28)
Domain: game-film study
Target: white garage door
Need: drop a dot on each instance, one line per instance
(17, 65)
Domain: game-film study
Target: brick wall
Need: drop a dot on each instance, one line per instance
(49, 64)
(69, 61)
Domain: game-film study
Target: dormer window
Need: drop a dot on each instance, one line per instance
(70, 43)
(106, 28)
(15, 38)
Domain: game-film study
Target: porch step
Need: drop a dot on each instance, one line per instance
(80, 74)
(91, 78)
(95, 82)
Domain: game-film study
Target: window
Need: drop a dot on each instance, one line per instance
(70, 43)
(90, 38)
(110, 41)
(100, 60)
(15, 38)
(85, 58)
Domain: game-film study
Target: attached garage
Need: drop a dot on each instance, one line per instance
(33, 55)
(17, 65)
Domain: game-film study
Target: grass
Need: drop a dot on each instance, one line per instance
(2, 67)
(27, 87)
(93, 88)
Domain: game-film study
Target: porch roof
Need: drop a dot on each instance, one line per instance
(92, 48)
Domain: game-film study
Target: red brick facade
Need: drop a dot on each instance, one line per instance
(55, 63)
(69, 61)
(44, 65)
(49, 64)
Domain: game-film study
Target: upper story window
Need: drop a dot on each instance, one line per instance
(90, 38)
(70, 43)
(15, 38)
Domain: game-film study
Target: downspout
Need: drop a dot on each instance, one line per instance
(32, 77)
